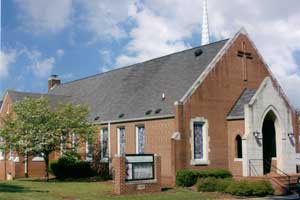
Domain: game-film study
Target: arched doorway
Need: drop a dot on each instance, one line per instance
(269, 141)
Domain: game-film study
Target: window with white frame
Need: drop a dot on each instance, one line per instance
(89, 148)
(10, 154)
(140, 139)
(199, 141)
(104, 144)
(74, 142)
(238, 147)
(1, 154)
(38, 156)
(1, 149)
(63, 145)
(121, 141)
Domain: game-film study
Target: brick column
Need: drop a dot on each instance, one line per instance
(177, 144)
(119, 175)
(157, 165)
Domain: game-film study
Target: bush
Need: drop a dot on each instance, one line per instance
(239, 188)
(250, 188)
(69, 166)
(188, 178)
(212, 184)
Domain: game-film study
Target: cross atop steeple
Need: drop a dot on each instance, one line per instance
(205, 27)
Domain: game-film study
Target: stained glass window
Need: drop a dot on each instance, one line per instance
(104, 143)
(198, 140)
(89, 148)
(140, 139)
(121, 141)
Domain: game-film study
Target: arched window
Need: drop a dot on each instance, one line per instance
(238, 146)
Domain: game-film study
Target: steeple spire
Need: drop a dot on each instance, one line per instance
(205, 27)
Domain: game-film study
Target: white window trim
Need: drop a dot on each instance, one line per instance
(206, 150)
(38, 158)
(101, 144)
(1, 155)
(87, 158)
(10, 155)
(118, 140)
(62, 145)
(238, 159)
(1, 151)
(137, 138)
(74, 138)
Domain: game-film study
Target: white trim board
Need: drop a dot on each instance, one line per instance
(134, 119)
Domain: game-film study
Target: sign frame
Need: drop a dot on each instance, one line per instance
(137, 163)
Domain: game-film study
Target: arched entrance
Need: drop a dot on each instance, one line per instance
(269, 140)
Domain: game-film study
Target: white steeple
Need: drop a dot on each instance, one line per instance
(205, 27)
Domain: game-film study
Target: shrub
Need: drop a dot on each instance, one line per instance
(250, 188)
(69, 166)
(239, 188)
(212, 184)
(262, 188)
(188, 178)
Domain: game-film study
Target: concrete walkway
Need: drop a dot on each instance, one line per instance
(294, 196)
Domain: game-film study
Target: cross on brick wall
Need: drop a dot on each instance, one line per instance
(244, 55)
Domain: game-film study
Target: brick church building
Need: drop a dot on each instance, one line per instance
(216, 106)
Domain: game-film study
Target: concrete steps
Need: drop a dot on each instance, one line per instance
(284, 184)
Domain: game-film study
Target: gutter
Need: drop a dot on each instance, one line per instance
(133, 119)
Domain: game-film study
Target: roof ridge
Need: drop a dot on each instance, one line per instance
(132, 65)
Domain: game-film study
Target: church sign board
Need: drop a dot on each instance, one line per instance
(139, 167)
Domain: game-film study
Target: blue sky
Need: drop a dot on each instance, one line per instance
(76, 38)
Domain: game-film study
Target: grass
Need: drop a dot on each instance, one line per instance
(42, 190)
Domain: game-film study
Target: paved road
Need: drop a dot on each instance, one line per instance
(295, 196)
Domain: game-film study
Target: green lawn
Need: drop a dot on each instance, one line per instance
(41, 190)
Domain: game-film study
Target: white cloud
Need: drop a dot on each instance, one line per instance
(40, 66)
(275, 29)
(291, 85)
(103, 18)
(105, 59)
(6, 59)
(162, 27)
(44, 15)
(60, 52)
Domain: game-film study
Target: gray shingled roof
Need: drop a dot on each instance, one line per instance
(53, 99)
(135, 89)
(237, 111)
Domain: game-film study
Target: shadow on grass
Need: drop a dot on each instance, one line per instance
(4, 187)
(87, 180)
(166, 189)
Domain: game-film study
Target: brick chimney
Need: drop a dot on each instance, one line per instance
(53, 80)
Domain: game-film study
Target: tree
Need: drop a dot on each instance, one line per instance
(37, 128)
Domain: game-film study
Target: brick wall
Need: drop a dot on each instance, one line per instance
(234, 128)
(214, 98)
(122, 187)
(157, 141)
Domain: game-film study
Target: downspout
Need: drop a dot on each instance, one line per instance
(26, 165)
(5, 163)
(109, 150)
